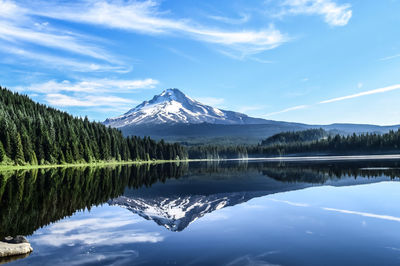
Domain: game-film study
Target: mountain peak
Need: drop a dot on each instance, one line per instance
(172, 106)
(169, 95)
(172, 92)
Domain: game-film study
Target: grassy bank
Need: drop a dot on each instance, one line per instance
(96, 164)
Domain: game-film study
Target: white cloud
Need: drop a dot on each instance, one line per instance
(91, 86)
(20, 28)
(242, 19)
(334, 14)
(366, 214)
(61, 63)
(297, 204)
(41, 25)
(107, 110)
(389, 57)
(9, 9)
(89, 93)
(338, 99)
(97, 232)
(380, 90)
(298, 107)
(20, 31)
(64, 227)
(182, 54)
(62, 100)
(255, 260)
(262, 61)
(144, 17)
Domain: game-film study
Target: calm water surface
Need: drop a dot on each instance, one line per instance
(256, 213)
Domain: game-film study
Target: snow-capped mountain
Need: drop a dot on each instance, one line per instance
(177, 212)
(173, 107)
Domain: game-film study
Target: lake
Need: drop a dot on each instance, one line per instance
(226, 213)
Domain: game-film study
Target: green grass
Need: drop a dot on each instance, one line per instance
(96, 164)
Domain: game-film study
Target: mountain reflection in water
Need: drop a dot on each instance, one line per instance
(172, 195)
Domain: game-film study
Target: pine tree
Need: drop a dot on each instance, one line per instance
(2, 152)
(18, 151)
(33, 159)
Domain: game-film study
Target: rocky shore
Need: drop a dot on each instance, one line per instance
(13, 246)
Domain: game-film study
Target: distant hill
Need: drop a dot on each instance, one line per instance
(210, 133)
(296, 136)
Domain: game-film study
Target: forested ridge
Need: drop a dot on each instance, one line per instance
(295, 136)
(338, 144)
(33, 133)
(301, 143)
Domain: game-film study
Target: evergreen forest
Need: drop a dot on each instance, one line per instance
(308, 142)
(32, 133)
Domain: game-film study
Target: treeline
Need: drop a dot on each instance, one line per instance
(217, 152)
(32, 133)
(337, 145)
(32, 199)
(369, 143)
(295, 136)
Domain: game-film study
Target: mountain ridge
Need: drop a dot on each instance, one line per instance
(174, 107)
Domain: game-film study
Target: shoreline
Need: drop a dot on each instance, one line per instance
(327, 158)
(99, 164)
(266, 159)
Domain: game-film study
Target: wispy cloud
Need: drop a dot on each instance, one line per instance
(60, 63)
(250, 259)
(389, 57)
(62, 100)
(298, 107)
(10, 32)
(366, 214)
(242, 19)
(89, 93)
(338, 99)
(262, 61)
(97, 232)
(182, 54)
(334, 14)
(297, 204)
(25, 35)
(18, 26)
(10, 9)
(144, 17)
(91, 86)
(364, 93)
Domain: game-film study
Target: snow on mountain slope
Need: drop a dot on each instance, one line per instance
(172, 106)
(176, 213)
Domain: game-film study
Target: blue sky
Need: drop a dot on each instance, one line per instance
(311, 61)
